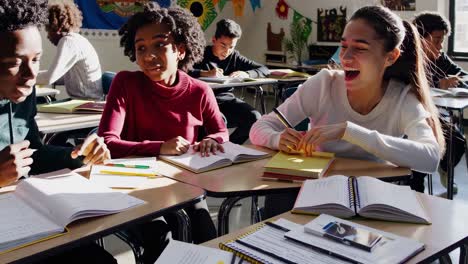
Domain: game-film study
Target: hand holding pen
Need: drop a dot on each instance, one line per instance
(290, 138)
(15, 162)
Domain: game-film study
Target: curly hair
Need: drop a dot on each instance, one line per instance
(64, 17)
(182, 24)
(19, 14)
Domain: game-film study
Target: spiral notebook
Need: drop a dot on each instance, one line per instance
(267, 244)
(369, 197)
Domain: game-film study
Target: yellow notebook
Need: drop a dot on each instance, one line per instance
(72, 106)
(284, 165)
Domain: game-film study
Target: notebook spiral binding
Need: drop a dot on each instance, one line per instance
(351, 192)
(248, 256)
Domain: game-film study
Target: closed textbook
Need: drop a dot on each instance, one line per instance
(226, 79)
(369, 197)
(42, 206)
(72, 106)
(233, 153)
(297, 167)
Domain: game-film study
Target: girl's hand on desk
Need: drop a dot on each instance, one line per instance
(208, 145)
(289, 140)
(15, 160)
(93, 148)
(319, 135)
(175, 146)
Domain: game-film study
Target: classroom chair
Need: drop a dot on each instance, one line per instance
(106, 79)
(304, 125)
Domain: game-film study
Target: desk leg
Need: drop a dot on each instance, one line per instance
(445, 259)
(183, 220)
(464, 254)
(278, 88)
(255, 216)
(450, 172)
(223, 214)
(261, 96)
(137, 252)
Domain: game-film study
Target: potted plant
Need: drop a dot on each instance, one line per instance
(296, 43)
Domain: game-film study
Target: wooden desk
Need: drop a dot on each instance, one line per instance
(447, 232)
(162, 195)
(258, 89)
(244, 180)
(451, 104)
(54, 123)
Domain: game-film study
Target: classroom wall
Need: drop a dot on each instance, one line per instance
(254, 25)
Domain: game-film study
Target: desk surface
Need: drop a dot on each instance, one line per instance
(257, 82)
(447, 232)
(455, 103)
(162, 195)
(245, 178)
(53, 123)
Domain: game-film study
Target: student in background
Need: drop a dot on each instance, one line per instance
(20, 52)
(222, 59)
(377, 108)
(443, 73)
(160, 109)
(76, 63)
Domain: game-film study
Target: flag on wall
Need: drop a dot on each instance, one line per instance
(306, 24)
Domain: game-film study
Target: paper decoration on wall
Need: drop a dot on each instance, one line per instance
(306, 24)
(204, 10)
(255, 4)
(274, 40)
(238, 7)
(330, 24)
(400, 5)
(108, 14)
(282, 9)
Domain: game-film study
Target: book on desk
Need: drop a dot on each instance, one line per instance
(368, 197)
(226, 79)
(72, 106)
(285, 166)
(233, 153)
(450, 92)
(42, 206)
(284, 241)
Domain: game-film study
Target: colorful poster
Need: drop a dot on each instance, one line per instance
(203, 10)
(238, 7)
(108, 14)
(255, 4)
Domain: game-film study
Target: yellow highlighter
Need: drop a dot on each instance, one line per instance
(139, 174)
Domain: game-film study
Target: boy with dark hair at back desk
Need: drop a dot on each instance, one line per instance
(222, 59)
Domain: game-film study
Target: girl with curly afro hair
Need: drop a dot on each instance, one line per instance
(162, 110)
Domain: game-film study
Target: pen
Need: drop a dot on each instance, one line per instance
(271, 224)
(150, 175)
(282, 118)
(127, 166)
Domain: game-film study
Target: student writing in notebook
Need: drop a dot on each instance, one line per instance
(21, 149)
(378, 107)
(443, 73)
(76, 63)
(222, 59)
(160, 109)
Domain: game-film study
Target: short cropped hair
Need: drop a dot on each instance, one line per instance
(427, 22)
(19, 14)
(64, 17)
(182, 24)
(228, 28)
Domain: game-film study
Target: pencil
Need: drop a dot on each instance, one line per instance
(151, 175)
(282, 118)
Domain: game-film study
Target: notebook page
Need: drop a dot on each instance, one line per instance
(238, 153)
(374, 192)
(18, 222)
(177, 252)
(71, 197)
(192, 160)
(272, 240)
(323, 194)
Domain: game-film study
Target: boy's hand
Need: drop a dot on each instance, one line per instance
(239, 74)
(449, 82)
(15, 161)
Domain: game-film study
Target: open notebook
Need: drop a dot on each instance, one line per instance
(450, 92)
(42, 206)
(233, 153)
(369, 197)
